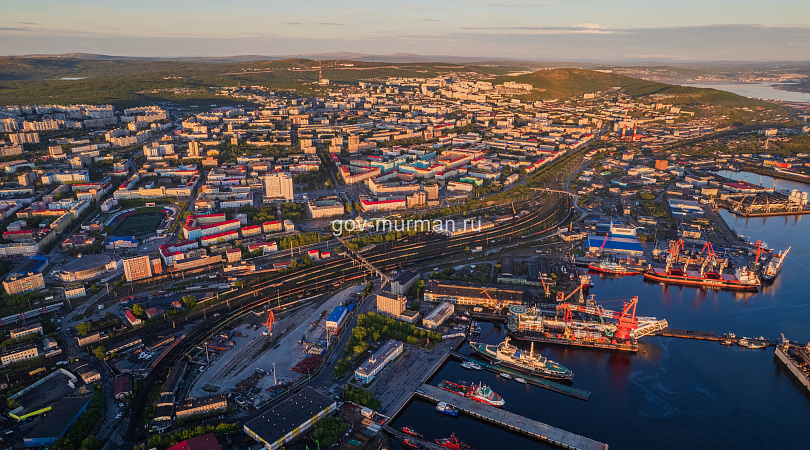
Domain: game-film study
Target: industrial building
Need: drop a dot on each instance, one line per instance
(25, 330)
(614, 244)
(438, 315)
(404, 280)
(289, 419)
(202, 405)
(389, 351)
(460, 293)
(336, 319)
(19, 353)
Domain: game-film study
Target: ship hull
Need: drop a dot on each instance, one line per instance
(481, 349)
(550, 338)
(698, 282)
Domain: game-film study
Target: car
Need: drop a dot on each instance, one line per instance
(121, 405)
(119, 415)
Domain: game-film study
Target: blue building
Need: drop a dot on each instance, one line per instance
(613, 244)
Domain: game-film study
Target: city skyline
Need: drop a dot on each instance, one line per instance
(515, 29)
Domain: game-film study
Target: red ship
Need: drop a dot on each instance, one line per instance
(410, 443)
(412, 432)
(452, 443)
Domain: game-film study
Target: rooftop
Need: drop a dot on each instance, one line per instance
(275, 422)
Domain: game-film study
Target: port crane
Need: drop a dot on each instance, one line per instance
(546, 288)
(674, 249)
(561, 297)
(495, 304)
(628, 325)
(271, 319)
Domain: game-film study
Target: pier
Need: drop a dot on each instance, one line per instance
(560, 388)
(707, 336)
(512, 421)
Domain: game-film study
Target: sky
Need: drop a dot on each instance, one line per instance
(552, 30)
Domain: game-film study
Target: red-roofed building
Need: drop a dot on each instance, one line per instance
(272, 226)
(382, 205)
(204, 442)
(134, 321)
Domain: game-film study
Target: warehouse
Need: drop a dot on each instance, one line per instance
(613, 244)
(471, 294)
(289, 419)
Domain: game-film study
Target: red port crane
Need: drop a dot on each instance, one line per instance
(627, 321)
(271, 319)
(759, 248)
(709, 250)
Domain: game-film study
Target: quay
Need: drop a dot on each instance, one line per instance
(798, 363)
(512, 421)
(564, 389)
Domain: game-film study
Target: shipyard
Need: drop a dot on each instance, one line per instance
(476, 226)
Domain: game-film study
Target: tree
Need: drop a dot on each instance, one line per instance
(189, 301)
(100, 352)
(84, 328)
(137, 309)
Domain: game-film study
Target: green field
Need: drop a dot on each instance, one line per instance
(138, 224)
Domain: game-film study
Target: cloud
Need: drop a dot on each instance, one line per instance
(291, 23)
(26, 23)
(15, 29)
(576, 29)
(329, 24)
(430, 20)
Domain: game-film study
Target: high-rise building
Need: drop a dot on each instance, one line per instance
(193, 149)
(391, 304)
(137, 268)
(278, 185)
(19, 283)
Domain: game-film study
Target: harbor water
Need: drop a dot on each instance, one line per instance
(674, 393)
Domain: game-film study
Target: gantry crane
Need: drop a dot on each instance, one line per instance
(495, 304)
(627, 323)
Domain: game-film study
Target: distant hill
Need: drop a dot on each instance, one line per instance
(567, 83)
(129, 81)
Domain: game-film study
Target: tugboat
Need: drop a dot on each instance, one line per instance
(447, 409)
(611, 268)
(742, 342)
(727, 342)
(532, 363)
(411, 443)
(753, 343)
(412, 432)
(452, 443)
(479, 392)
(471, 365)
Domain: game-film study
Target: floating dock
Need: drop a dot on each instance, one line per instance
(797, 362)
(536, 381)
(400, 436)
(512, 421)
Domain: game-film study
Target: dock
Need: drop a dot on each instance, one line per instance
(560, 388)
(511, 421)
(796, 363)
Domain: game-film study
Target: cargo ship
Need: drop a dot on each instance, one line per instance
(611, 268)
(774, 266)
(452, 443)
(709, 275)
(743, 279)
(510, 356)
(479, 392)
(583, 326)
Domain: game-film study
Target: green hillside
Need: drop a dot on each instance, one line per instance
(568, 83)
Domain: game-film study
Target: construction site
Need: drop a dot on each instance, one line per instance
(258, 359)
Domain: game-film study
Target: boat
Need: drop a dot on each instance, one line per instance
(452, 443)
(727, 342)
(742, 342)
(611, 268)
(774, 265)
(412, 432)
(411, 443)
(505, 375)
(532, 363)
(744, 279)
(755, 344)
(479, 392)
(471, 365)
(520, 380)
(447, 409)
